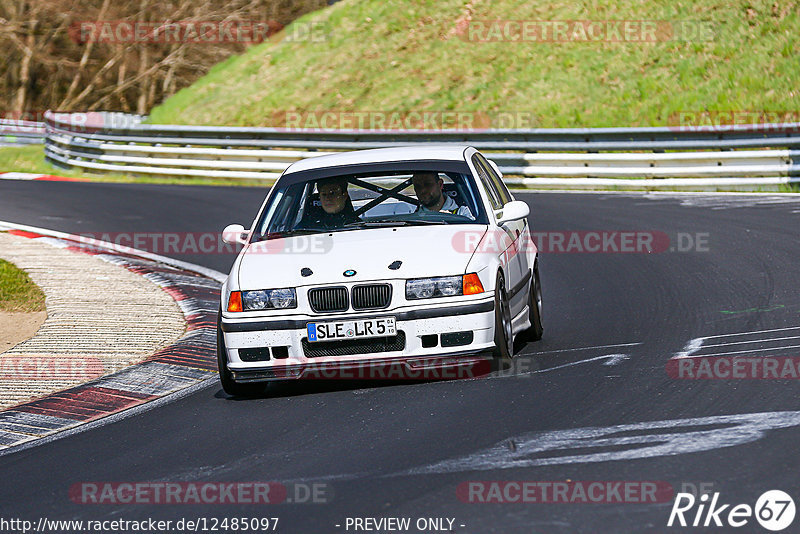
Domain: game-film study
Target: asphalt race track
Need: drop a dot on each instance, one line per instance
(612, 321)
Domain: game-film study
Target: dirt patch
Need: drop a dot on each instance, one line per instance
(16, 327)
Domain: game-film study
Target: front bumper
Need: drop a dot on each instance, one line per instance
(413, 356)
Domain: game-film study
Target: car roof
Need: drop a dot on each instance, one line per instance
(381, 155)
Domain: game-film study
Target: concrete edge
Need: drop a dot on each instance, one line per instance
(38, 177)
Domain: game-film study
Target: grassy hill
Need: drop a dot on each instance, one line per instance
(395, 55)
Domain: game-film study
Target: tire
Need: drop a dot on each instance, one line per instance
(503, 334)
(534, 333)
(229, 385)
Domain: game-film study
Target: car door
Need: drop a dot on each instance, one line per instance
(525, 238)
(508, 238)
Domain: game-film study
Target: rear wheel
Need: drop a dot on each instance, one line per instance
(503, 334)
(534, 333)
(230, 386)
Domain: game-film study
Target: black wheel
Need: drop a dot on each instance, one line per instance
(503, 335)
(230, 386)
(534, 333)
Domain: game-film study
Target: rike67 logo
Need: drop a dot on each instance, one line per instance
(774, 510)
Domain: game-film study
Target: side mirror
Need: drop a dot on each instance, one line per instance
(513, 211)
(234, 234)
(495, 167)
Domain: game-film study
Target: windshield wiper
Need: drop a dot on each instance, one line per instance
(418, 222)
(289, 233)
(388, 223)
(370, 224)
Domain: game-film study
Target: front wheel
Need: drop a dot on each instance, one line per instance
(229, 385)
(503, 334)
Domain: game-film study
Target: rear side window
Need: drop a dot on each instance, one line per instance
(491, 190)
(500, 186)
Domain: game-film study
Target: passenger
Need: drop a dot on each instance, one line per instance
(337, 208)
(428, 187)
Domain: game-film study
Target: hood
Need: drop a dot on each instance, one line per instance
(423, 251)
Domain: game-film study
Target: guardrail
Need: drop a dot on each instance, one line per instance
(21, 132)
(751, 155)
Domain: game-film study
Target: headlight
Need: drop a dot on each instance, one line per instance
(426, 288)
(269, 299)
(283, 298)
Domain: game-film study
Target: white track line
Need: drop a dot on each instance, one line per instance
(695, 345)
(752, 332)
(613, 359)
(715, 354)
(768, 340)
(581, 348)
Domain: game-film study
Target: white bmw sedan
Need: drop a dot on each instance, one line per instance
(418, 258)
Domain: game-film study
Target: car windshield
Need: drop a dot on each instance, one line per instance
(345, 202)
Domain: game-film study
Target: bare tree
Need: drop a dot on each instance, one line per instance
(54, 62)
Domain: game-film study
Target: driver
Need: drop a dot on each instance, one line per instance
(428, 187)
(337, 209)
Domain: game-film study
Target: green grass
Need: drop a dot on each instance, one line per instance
(18, 293)
(407, 56)
(31, 159)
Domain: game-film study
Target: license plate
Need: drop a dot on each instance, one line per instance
(360, 329)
